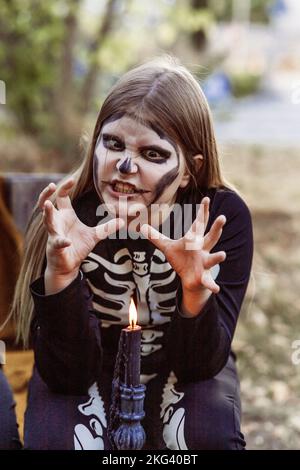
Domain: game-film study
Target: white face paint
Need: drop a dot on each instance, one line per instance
(130, 152)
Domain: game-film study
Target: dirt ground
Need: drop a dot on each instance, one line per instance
(269, 322)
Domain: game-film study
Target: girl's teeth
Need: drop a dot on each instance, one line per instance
(123, 189)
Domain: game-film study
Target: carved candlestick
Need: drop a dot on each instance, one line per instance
(125, 431)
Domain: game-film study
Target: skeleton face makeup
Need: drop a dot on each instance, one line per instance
(136, 166)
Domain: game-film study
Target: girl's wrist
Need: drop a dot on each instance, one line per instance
(194, 301)
(56, 282)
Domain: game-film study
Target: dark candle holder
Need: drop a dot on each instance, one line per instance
(125, 431)
(130, 434)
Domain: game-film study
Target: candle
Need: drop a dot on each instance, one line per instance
(125, 431)
(131, 347)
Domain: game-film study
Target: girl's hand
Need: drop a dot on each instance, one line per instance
(190, 255)
(69, 240)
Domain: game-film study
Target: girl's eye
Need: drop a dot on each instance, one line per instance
(112, 143)
(153, 155)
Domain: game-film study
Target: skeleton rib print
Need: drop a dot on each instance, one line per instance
(146, 276)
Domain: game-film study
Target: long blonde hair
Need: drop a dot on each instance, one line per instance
(161, 92)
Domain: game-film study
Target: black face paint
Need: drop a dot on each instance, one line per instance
(164, 182)
(163, 136)
(125, 167)
(157, 130)
(169, 177)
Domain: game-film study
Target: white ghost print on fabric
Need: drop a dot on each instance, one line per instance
(173, 421)
(91, 438)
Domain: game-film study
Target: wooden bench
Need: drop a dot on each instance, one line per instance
(18, 195)
(21, 191)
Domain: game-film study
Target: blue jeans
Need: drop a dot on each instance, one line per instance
(9, 435)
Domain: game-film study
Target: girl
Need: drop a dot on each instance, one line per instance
(151, 167)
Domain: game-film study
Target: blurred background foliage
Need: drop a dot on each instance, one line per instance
(59, 58)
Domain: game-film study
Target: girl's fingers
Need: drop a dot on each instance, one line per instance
(62, 199)
(101, 232)
(198, 226)
(206, 202)
(65, 187)
(214, 258)
(48, 217)
(45, 194)
(212, 237)
(157, 238)
(208, 282)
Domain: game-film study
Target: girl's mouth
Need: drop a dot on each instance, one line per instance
(124, 188)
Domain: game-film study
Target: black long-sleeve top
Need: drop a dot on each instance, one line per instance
(75, 332)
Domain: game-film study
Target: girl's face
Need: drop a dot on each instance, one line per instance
(136, 166)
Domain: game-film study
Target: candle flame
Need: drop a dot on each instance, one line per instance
(132, 315)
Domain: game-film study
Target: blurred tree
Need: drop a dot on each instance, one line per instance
(259, 11)
(104, 28)
(207, 12)
(30, 34)
(224, 9)
(198, 37)
(37, 60)
(57, 60)
(192, 20)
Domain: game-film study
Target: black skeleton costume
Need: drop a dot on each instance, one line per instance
(192, 395)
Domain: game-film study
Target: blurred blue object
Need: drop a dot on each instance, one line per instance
(217, 88)
(277, 7)
(79, 68)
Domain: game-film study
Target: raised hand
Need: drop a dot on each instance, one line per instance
(190, 255)
(69, 240)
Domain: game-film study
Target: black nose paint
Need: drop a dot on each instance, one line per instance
(125, 167)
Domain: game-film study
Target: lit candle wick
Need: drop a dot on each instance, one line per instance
(132, 315)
